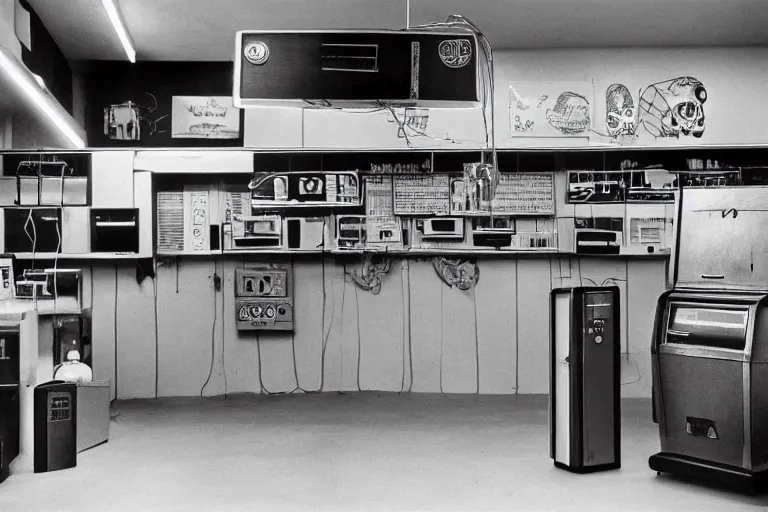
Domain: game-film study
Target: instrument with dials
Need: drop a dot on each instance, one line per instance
(264, 298)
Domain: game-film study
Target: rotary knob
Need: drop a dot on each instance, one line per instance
(269, 312)
(281, 310)
(242, 314)
(256, 311)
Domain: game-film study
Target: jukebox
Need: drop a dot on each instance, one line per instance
(710, 341)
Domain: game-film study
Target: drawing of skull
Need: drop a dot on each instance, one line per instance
(674, 107)
(570, 114)
(619, 111)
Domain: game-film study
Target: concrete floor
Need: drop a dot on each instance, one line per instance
(356, 452)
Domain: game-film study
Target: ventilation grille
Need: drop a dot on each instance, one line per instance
(237, 204)
(170, 221)
(361, 58)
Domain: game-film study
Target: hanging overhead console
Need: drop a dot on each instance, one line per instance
(427, 68)
(710, 341)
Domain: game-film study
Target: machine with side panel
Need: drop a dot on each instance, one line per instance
(264, 298)
(710, 341)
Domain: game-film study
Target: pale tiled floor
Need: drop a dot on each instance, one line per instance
(357, 452)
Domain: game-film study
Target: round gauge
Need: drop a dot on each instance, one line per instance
(256, 311)
(269, 312)
(242, 313)
(256, 52)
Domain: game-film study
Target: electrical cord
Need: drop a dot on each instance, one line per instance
(441, 338)
(410, 332)
(115, 331)
(477, 340)
(403, 326)
(264, 390)
(224, 334)
(213, 336)
(157, 334)
(359, 339)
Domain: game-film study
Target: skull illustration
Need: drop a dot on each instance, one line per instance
(570, 114)
(619, 111)
(674, 107)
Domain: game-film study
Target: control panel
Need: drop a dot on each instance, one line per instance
(264, 298)
(598, 315)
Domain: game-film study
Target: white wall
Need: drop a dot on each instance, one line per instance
(510, 351)
(735, 78)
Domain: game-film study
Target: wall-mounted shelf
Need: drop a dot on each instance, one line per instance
(88, 256)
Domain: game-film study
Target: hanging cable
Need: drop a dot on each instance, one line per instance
(368, 275)
(157, 333)
(359, 339)
(441, 339)
(224, 331)
(403, 326)
(213, 336)
(477, 339)
(461, 273)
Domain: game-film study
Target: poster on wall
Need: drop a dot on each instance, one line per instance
(204, 117)
(550, 109)
(669, 109)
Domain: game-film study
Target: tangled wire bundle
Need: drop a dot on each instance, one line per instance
(368, 275)
(462, 274)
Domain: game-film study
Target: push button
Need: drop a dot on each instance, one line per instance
(598, 339)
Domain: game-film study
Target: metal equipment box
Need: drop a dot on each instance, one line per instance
(710, 341)
(584, 393)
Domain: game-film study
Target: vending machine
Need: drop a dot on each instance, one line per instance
(585, 432)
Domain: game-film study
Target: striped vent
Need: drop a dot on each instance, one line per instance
(170, 222)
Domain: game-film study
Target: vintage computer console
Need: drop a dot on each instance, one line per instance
(188, 220)
(264, 298)
(115, 230)
(54, 290)
(246, 230)
(7, 277)
(306, 189)
(444, 233)
(441, 228)
(351, 232)
(493, 232)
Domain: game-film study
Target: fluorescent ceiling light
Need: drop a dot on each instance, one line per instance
(119, 24)
(26, 82)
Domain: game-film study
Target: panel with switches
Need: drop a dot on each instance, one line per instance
(264, 298)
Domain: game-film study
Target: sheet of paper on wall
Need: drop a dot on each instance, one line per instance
(649, 230)
(550, 109)
(382, 226)
(204, 117)
(516, 194)
(421, 194)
